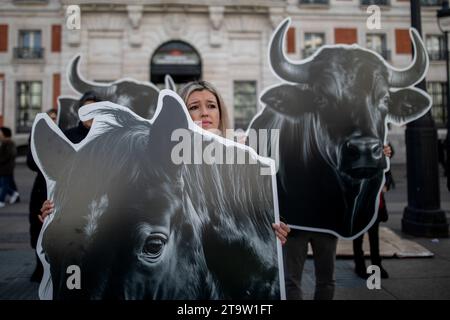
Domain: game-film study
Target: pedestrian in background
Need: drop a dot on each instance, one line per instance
(8, 154)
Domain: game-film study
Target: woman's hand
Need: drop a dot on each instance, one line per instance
(47, 208)
(281, 230)
(387, 150)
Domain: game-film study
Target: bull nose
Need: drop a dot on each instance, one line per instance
(363, 147)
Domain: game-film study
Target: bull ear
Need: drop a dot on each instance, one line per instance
(408, 105)
(288, 99)
(51, 151)
(170, 84)
(172, 115)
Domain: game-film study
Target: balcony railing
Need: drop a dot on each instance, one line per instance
(377, 2)
(386, 54)
(436, 55)
(30, 1)
(21, 53)
(321, 2)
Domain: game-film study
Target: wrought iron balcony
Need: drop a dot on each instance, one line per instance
(386, 54)
(23, 53)
(320, 2)
(30, 1)
(431, 3)
(377, 2)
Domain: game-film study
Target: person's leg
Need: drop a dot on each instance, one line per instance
(3, 190)
(324, 251)
(38, 271)
(12, 189)
(374, 244)
(294, 252)
(10, 184)
(375, 256)
(358, 257)
(13, 183)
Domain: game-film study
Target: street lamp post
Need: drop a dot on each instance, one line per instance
(423, 215)
(443, 17)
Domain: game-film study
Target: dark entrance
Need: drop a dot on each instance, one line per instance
(177, 59)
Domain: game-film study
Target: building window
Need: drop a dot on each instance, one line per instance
(435, 47)
(245, 102)
(438, 91)
(377, 43)
(313, 41)
(30, 45)
(179, 60)
(29, 104)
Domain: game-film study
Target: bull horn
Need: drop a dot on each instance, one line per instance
(169, 83)
(80, 84)
(298, 72)
(416, 71)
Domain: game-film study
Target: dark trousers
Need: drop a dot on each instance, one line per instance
(374, 241)
(295, 253)
(6, 186)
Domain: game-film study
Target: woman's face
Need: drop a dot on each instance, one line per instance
(204, 109)
(53, 116)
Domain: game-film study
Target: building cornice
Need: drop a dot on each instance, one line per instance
(186, 6)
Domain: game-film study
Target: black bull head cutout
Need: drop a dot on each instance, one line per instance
(332, 113)
(140, 225)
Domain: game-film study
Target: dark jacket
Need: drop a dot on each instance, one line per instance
(78, 133)
(8, 154)
(37, 198)
(389, 183)
(39, 191)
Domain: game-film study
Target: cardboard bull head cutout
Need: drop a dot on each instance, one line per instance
(138, 223)
(332, 111)
(141, 97)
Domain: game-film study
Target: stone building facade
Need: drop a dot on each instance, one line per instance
(225, 42)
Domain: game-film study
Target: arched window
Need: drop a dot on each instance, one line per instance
(177, 59)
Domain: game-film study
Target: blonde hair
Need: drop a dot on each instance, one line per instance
(190, 87)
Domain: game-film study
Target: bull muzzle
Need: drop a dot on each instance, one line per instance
(362, 157)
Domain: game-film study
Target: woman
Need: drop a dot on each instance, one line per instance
(207, 109)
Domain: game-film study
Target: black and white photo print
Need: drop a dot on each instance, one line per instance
(332, 111)
(155, 209)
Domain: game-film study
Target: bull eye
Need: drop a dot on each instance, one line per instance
(153, 247)
(385, 101)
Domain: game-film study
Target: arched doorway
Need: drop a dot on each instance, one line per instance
(177, 59)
